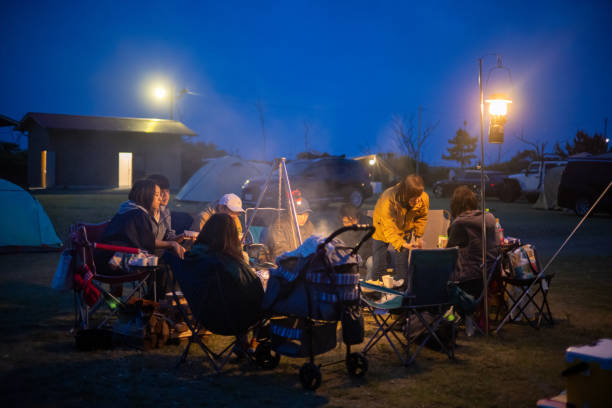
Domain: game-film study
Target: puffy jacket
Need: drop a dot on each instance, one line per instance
(393, 221)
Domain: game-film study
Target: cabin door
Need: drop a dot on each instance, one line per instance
(125, 170)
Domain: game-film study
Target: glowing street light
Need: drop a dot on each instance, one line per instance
(161, 93)
(372, 161)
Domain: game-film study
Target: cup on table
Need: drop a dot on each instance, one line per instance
(442, 241)
(387, 281)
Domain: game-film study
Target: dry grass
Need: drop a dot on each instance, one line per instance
(40, 367)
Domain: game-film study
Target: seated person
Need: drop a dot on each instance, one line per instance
(280, 237)
(162, 217)
(229, 204)
(218, 245)
(132, 226)
(465, 232)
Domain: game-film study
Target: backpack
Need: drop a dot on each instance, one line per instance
(521, 263)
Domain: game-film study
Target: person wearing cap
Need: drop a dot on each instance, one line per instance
(229, 204)
(400, 216)
(280, 237)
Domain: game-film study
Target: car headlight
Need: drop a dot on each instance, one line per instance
(245, 184)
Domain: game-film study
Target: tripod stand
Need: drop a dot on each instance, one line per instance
(283, 180)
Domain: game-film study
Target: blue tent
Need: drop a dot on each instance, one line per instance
(23, 222)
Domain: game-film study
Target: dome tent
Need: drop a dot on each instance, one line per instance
(23, 222)
(220, 176)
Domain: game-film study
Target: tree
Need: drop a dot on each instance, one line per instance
(407, 141)
(462, 148)
(14, 164)
(583, 143)
(539, 152)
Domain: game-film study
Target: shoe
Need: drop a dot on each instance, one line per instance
(397, 283)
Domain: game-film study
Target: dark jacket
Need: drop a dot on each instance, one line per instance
(224, 293)
(466, 232)
(279, 237)
(131, 227)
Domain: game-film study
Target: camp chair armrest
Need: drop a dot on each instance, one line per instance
(381, 289)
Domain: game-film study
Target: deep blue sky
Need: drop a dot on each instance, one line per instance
(342, 67)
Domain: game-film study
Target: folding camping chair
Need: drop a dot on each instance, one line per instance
(188, 279)
(514, 288)
(493, 277)
(431, 271)
(83, 238)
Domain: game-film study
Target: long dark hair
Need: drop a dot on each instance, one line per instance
(142, 193)
(411, 187)
(462, 200)
(221, 235)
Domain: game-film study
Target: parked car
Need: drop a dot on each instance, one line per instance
(529, 182)
(583, 180)
(470, 178)
(321, 181)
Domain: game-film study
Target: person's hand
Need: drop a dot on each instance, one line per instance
(407, 245)
(178, 249)
(180, 238)
(418, 243)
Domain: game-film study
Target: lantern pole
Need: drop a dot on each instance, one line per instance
(482, 203)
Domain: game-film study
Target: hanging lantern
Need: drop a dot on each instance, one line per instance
(498, 109)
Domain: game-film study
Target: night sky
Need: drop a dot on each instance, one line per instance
(340, 69)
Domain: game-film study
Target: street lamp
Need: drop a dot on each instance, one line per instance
(161, 93)
(498, 109)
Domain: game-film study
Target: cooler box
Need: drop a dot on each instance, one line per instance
(589, 375)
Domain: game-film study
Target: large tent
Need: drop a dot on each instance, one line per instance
(547, 199)
(220, 176)
(23, 222)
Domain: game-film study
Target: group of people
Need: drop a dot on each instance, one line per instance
(399, 218)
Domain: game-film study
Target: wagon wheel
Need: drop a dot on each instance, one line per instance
(265, 357)
(356, 364)
(310, 376)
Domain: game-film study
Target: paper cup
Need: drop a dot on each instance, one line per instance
(442, 241)
(387, 281)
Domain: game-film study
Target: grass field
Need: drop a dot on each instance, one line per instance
(39, 366)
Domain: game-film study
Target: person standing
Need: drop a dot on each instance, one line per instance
(399, 217)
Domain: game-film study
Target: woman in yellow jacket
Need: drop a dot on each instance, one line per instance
(400, 217)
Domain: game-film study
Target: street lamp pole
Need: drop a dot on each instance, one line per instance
(171, 102)
(482, 202)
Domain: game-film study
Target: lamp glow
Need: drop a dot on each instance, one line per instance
(498, 105)
(160, 93)
(372, 161)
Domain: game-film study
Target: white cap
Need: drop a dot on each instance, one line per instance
(231, 201)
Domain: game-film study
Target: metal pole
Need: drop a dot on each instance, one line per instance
(172, 102)
(292, 205)
(482, 202)
(261, 195)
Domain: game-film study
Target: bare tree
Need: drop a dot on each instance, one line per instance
(538, 147)
(406, 140)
